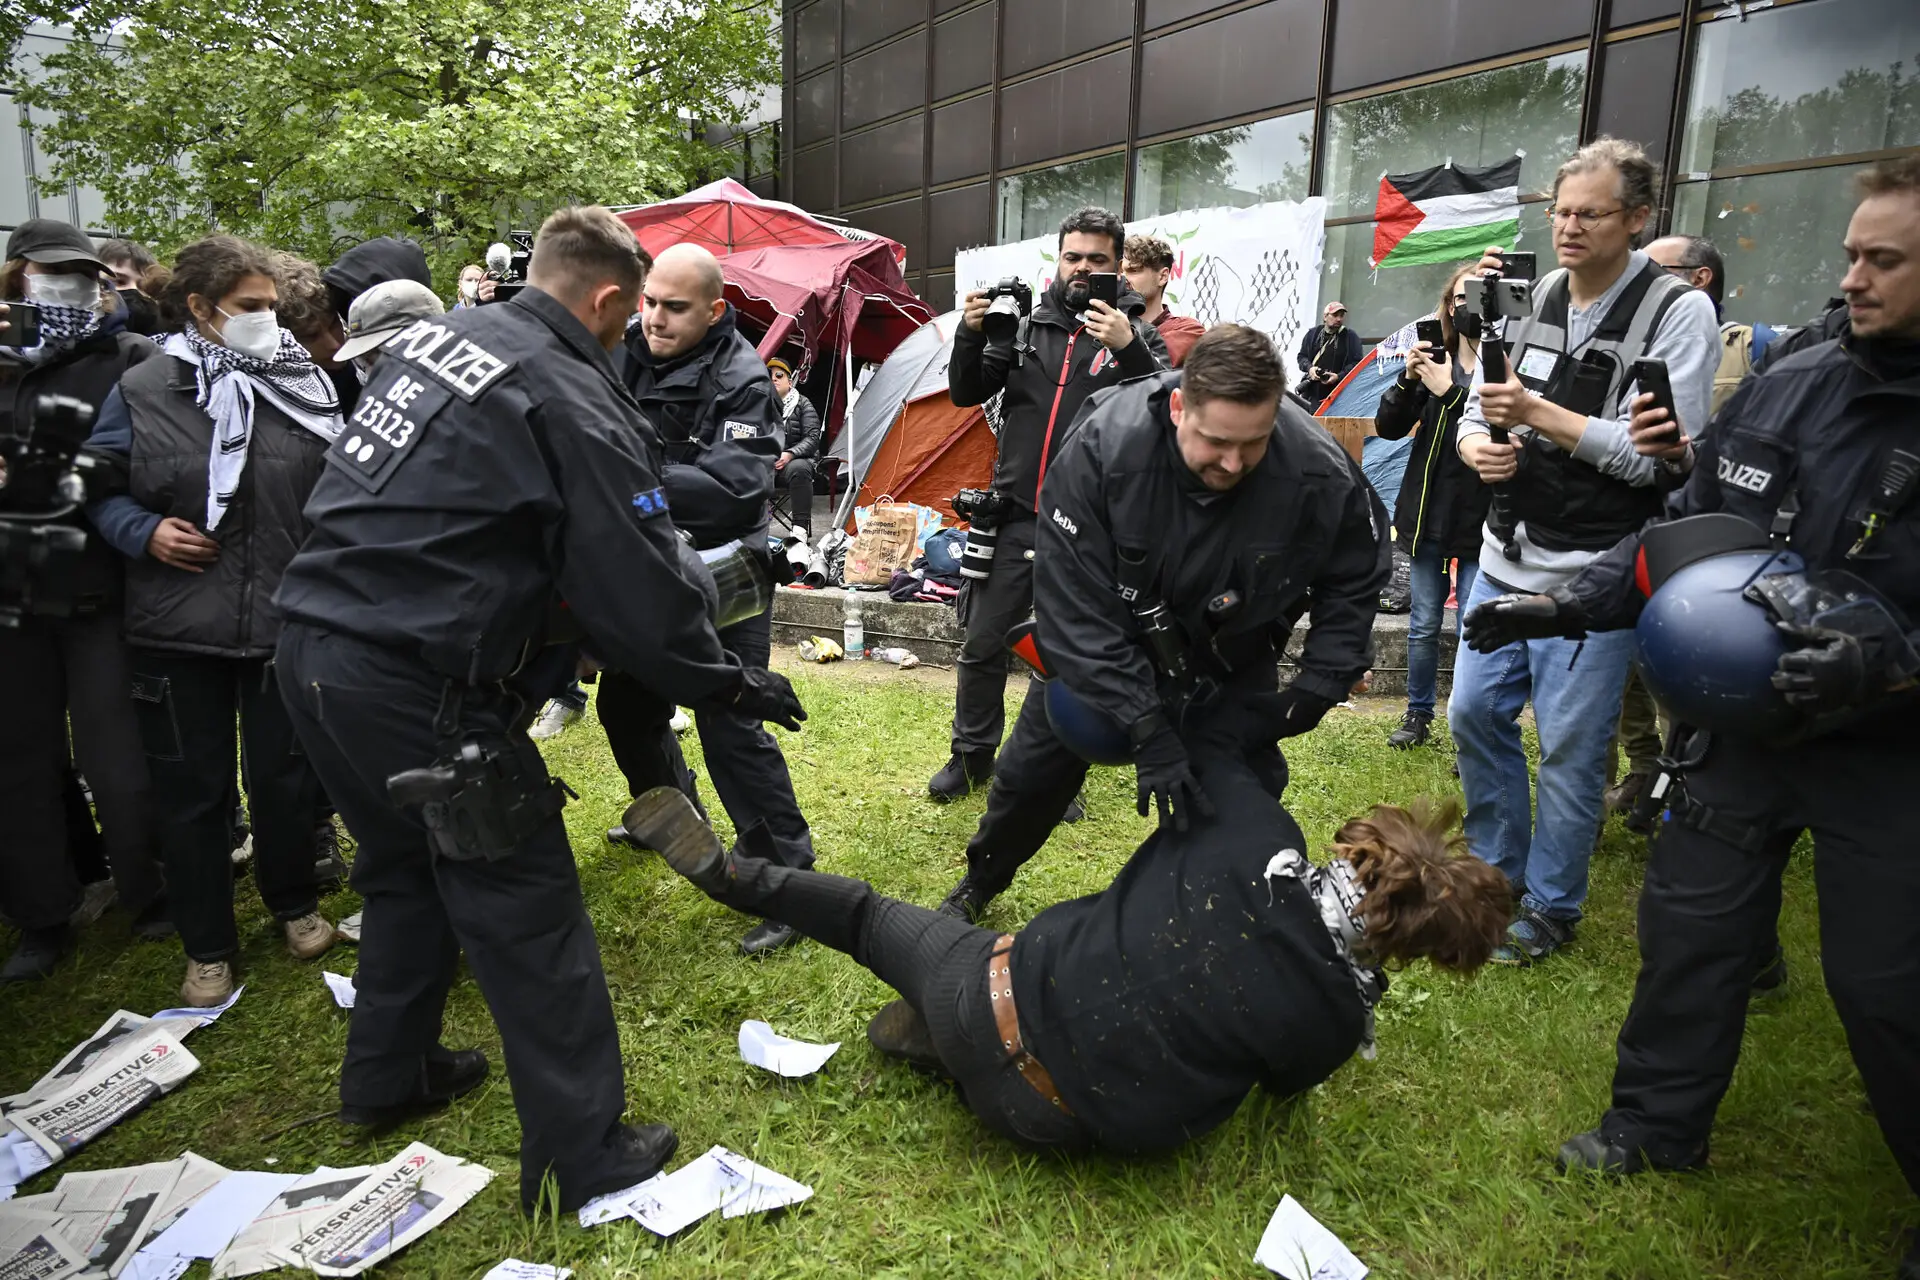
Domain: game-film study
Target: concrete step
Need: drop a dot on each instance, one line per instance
(931, 631)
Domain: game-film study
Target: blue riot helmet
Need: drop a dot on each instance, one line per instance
(1708, 652)
(1084, 729)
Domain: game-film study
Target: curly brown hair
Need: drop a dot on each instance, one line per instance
(305, 306)
(210, 267)
(1426, 895)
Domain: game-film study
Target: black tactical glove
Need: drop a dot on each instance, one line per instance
(1160, 764)
(1502, 620)
(1293, 711)
(766, 695)
(1827, 673)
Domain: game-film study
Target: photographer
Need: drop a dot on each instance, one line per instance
(1817, 454)
(1071, 345)
(1326, 355)
(1572, 486)
(56, 668)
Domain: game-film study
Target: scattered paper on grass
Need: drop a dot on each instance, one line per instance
(103, 1213)
(207, 1228)
(32, 1247)
(155, 1267)
(394, 1205)
(1299, 1248)
(189, 1020)
(349, 928)
(613, 1205)
(514, 1269)
(762, 1046)
(722, 1180)
(342, 988)
(137, 1071)
(197, 1176)
(295, 1208)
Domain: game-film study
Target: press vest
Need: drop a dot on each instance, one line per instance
(1569, 505)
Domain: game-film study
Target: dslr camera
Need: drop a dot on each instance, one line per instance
(1008, 302)
(507, 267)
(982, 509)
(48, 479)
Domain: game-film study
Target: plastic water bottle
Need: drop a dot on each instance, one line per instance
(853, 631)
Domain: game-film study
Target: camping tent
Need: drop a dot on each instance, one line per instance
(906, 439)
(727, 218)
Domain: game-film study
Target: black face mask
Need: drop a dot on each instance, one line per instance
(143, 315)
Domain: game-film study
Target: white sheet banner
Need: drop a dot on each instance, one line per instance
(1258, 266)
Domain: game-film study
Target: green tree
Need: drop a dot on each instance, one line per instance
(314, 125)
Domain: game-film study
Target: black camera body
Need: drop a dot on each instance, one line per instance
(512, 278)
(48, 480)
(982, 509)
(1008, 302)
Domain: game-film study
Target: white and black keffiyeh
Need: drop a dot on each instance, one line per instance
(61, 329)
(1336, 894)
(228, 382)
(788, 401)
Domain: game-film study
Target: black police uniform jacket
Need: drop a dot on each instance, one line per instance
(719, 425)
(495, 460)
(1302, 529)
(1820, 426)
(1044, 394)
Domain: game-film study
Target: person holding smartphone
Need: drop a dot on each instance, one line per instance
(1442, 503)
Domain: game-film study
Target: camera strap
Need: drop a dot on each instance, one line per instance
(1053, 414)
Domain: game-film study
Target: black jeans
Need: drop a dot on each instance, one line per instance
(988, 610)
(1707, 919)
(743, 759)
(186, 704)
(797, 479)
(365, 714)
(50, 669)
(936, 963)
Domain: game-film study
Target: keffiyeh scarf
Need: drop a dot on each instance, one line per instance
(1337, 894)
(788, 401)
(61, 329)
(227, 383)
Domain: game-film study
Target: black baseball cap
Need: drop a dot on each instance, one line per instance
(47, 240)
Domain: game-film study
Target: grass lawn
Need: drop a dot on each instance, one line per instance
(1434, 1161)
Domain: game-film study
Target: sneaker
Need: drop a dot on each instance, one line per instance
(968, 901)
(243, 852)
(961, 775)
(553, 720)
(310, 936)
(39, 953)
(1623, 795)
(329, 866)
(208, 983)
(1533, 937)
(1590, 1152)
(1413, 730)
(448, 1075)
(681, 721)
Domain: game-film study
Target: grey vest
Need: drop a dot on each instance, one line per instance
(228, 610)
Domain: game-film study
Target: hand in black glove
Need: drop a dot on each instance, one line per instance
(1160, 764)
(1293, 711)
(766, 695)
(1502, 620)
(1828, 672)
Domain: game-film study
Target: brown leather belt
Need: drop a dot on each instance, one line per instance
(1006, 1019)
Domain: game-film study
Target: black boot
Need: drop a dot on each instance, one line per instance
(449, 1074)
(1413, 730)
(39, 953)
(968, 901)
(1076, 809)
(961, 775)
(1590, 1152)
(329, 867)
(768, 935)
(899, 1031)
(665, 820)
(1774, 976)
(636, 1153)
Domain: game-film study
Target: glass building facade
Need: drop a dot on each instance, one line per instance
(951, 123)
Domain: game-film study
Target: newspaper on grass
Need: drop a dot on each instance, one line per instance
(32, 1247)
(104, 1213)
(722, 1180)
(118, 1083)
(1297, 1246)
(303, 1205)
(211, 1223)
(394, 1205)
(197, 1177)
(514, 1269)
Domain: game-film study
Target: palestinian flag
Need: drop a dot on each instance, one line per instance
(1448, 214)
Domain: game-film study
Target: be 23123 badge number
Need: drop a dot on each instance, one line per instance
(385, 426)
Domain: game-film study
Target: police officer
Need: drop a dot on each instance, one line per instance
(708, 395)
(1184, 530)
(1072, 345)
(1818, 451)
(494, 461)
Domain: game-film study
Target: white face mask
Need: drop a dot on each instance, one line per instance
(469, 289)
(252, 333)
(64, 291)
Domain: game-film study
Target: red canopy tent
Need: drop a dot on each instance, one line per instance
(726, 218)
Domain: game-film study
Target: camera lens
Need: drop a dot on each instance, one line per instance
(1002, 320)
(977, 560)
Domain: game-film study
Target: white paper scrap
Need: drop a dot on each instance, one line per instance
(145, 1266)
(194, 1019)
(342, 988)
(671, 1203)
(762, 1046)
(349, 928)
(514, 1269)
(1299, 1248)
(758, 1188)
(615, 1204)
(219, 1215)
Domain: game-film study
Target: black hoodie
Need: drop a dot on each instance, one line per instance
(1046, 390)
(357, 270)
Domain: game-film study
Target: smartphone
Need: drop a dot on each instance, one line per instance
(1516, 296)
(1516, 264)
(1651, 376)
(1431, 335)
(23, 325)
(1104, 286)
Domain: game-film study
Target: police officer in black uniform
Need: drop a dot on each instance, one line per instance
(1191, 520)
(1821, 454)
(1072, 345)
(494, 460)
(708, 395)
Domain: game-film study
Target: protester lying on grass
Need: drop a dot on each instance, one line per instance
(1217, 960)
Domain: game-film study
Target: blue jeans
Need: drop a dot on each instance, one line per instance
(1575, 686)
(1430, 583)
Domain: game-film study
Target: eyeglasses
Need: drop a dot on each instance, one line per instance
(1459, 299)
(1682, 267)
(1585, 217)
